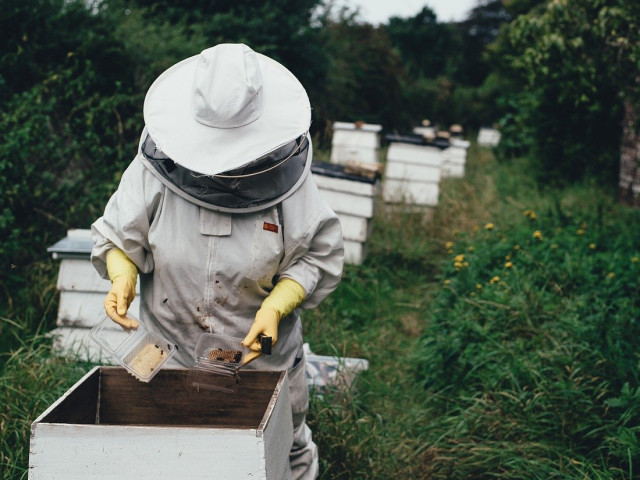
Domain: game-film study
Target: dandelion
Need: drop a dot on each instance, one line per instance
(611, 275)
(537, 234)
(459, 258)
(479, 286)
(592, 246)
(530, 214)
(447, 281)
(507, 257)
(494, 280)
(508, 265)
(516, 247)
(448, 245)
(580, 232)
(489, 226)
(470, 249)
(635, 260)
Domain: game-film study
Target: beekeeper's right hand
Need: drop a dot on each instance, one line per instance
(123, 274)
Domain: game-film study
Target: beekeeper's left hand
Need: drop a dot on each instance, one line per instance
(285, 297)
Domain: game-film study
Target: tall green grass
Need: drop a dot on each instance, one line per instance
(501, 331)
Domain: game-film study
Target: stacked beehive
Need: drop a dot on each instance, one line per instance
(353, 197)
(82, 293)
(359, 142)
(412, 171)
(488, 137)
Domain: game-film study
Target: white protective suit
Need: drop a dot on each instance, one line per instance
(205, 270)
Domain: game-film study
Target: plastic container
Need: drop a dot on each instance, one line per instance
(217, 361)
(141, 352)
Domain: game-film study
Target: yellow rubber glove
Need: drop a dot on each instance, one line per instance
(124, 275)
(285, 297)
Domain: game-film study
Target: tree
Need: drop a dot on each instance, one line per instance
(578, 62)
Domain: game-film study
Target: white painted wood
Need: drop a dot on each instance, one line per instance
(75, 342)
(412, 172)
(85, 309)
(355, 228)
(354, 252)
(342, 154)
(80, 275)
(355, 142)
(343, 202)
(60, 451)
(366, 189)
(409, 153)
(488, 137)
(402, 191)
(450, 170)
(366, 127)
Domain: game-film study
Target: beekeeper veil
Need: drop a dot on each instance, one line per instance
(228, 129)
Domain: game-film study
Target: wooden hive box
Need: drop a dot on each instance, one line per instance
(110, 426)
(82, 293)
(355, 142)
(412, 174)
(455, 159)
(353, 199)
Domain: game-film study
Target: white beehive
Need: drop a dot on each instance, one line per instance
(454, 158)
(353, 199)
(412, 174)
(109, 425)
(82, 293)
(488, 137)
(358, 142)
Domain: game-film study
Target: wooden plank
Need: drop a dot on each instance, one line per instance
(354, 252)
(355, 228)
(80, 452)
(341, 154)
(417, 193)
(80, 275)
(412, 172)
(343, 202)
(420, 154)
(85, 309)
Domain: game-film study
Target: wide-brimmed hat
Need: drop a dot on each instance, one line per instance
(224, 108)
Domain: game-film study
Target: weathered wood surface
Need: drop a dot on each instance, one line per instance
(164, 429)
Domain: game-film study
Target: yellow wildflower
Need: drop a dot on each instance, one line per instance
(494, 280)
(507, 257)
(611, 275)
(635, 259)
(449, 251)
(470, 249)
(508, 265)
(537, 234)
(489, 226)
(479, 286)
(580, 232)
(516, 247)
(459, 258)
(530, 214)
(448, 245)
(592, 246)
(447, 281)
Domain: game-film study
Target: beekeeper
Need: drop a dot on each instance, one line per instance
(220, 217)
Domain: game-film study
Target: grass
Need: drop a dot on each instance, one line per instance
(501, 334)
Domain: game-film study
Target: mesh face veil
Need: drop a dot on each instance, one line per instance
(257, 183)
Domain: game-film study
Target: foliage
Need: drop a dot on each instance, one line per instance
(570, 57)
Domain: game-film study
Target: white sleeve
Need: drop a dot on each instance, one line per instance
(126, 219)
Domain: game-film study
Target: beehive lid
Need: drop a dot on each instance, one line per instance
(77, 244)
(338, 171)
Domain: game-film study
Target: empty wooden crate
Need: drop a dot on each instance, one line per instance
(111, 426)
